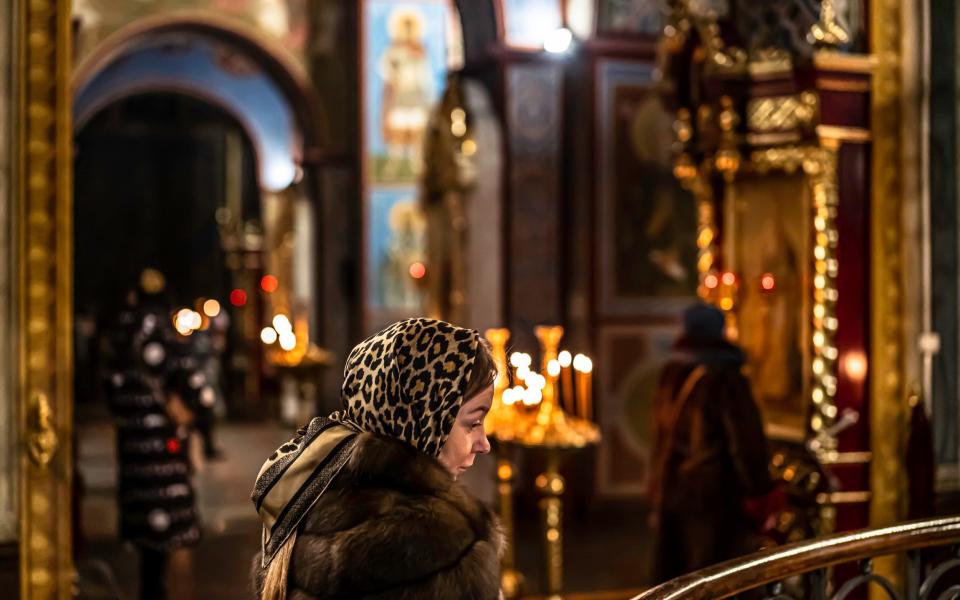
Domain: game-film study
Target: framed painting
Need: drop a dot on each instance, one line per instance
(396, 243)
(629, 17)
(647, 223)
(404, 68)
(526, 23)
(630, 360)
(768, 246)
(404, 62)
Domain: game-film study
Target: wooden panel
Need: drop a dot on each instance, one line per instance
(534, 105)
(852, 338)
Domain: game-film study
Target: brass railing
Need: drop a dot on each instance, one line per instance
(802, 570)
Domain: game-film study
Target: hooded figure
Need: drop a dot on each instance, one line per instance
(710, 452)
(364, 503)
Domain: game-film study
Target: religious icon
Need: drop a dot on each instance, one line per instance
(407, 92)
(404, 252)
(770, 242)
(397, 244)
(648, 221)
(404, 65)
(630, 16)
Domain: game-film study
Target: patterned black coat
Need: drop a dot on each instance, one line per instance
(145, 364)
(395, 525)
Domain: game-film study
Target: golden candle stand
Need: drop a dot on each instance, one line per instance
(545, 428)
(303, 365)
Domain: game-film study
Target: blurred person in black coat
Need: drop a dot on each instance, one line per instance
(710, 452)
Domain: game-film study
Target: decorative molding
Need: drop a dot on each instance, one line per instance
(846, 458)
(776, 138)
(720, 57)
(854, 497)
(727, 159)
(770, 62)
(44, 247)
(888, 406)
(854, 86)
(850, 135)
(828, 60)
(783, 113)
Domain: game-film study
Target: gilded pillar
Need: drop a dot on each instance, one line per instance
(889, 412)
(43, 216)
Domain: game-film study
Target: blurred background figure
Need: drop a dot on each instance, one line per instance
(147, 386)
(202, 352)
(710, 452)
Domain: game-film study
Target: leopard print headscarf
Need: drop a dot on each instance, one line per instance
(408, 381)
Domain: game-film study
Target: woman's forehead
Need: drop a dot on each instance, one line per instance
(479, 402)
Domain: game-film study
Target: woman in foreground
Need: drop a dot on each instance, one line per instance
(364, 504)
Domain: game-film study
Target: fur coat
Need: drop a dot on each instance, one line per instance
(393, 524)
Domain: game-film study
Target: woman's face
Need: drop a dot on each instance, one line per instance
(467, 438)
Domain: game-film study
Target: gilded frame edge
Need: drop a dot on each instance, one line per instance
(889, 409)
(42, 215)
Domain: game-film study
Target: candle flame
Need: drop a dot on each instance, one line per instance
(553, 368)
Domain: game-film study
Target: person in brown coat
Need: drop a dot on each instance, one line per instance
(365, 503)
(710, 452)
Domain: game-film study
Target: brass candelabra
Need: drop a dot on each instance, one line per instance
(538, 421)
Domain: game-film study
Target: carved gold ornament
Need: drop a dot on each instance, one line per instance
(782, 113)
(42, 441)
(826, 31)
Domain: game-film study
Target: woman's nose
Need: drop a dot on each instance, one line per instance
(483, 445)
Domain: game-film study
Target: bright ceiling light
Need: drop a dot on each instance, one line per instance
(558, 41)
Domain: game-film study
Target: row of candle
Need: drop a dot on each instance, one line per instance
(570, 372)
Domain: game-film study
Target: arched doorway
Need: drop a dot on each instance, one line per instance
(274, 232)
(189, 142)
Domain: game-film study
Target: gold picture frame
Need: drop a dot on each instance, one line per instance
(42, 212)
(817, 165)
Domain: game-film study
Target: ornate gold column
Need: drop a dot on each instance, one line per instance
(888, 407)
(43, 247)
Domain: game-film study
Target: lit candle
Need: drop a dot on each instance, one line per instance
(522, 373)
(578, 365)
(553, 371)
(515, 361)
(588, 388)
(566, 376)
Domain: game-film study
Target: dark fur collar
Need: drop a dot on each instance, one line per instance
(394, 524)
